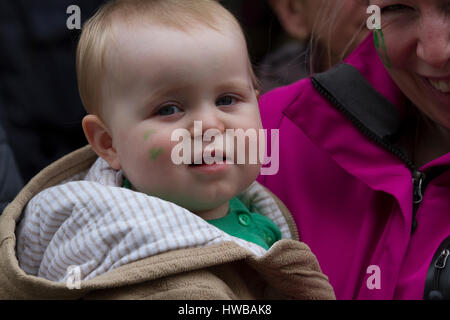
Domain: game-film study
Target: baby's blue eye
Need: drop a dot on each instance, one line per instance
(168, 110)
(225, 101)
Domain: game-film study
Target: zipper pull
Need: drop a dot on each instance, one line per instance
(441, 261)
(417, 180)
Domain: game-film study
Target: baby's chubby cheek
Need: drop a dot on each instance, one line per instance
(146, 157)
(154, 150)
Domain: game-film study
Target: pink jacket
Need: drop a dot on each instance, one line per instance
(351, 198)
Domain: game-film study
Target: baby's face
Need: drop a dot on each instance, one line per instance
(160, 80)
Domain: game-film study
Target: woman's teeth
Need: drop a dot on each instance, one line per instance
(442, 86)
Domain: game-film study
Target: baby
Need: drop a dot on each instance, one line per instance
(147, 69)
(161, 73)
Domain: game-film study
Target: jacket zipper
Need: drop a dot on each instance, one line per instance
(419, 179)
(440, 264)
(420, 182)
(438, 273)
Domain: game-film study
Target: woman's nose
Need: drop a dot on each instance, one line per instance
(434, 42)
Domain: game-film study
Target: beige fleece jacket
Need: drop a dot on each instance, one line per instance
(226, 270)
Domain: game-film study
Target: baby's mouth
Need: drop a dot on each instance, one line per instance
(203, 163)
(211, 160)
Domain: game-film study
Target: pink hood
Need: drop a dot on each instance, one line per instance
(352, 200)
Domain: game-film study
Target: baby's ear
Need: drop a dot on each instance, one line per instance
(100, 140)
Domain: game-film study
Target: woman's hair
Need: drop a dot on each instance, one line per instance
(320, 55)
(98, 32)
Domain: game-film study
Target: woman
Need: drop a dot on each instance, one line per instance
(364, 158)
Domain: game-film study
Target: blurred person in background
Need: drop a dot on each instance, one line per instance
(319, 34)
(39, 103)
(10, 180)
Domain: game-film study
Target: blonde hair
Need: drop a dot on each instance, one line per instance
(321, 57)
(98, 31)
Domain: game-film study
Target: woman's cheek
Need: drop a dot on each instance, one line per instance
(401, 39)
(393, 48)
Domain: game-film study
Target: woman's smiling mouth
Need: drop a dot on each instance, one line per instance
(440, 84)
(438, 89)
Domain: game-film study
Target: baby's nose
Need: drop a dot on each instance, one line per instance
(207, 120)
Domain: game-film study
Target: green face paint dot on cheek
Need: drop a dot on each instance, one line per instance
(147, 134)
(154, 153)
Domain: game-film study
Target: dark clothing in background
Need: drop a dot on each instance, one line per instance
(286, 65)
(39, 101)
(10, 180)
